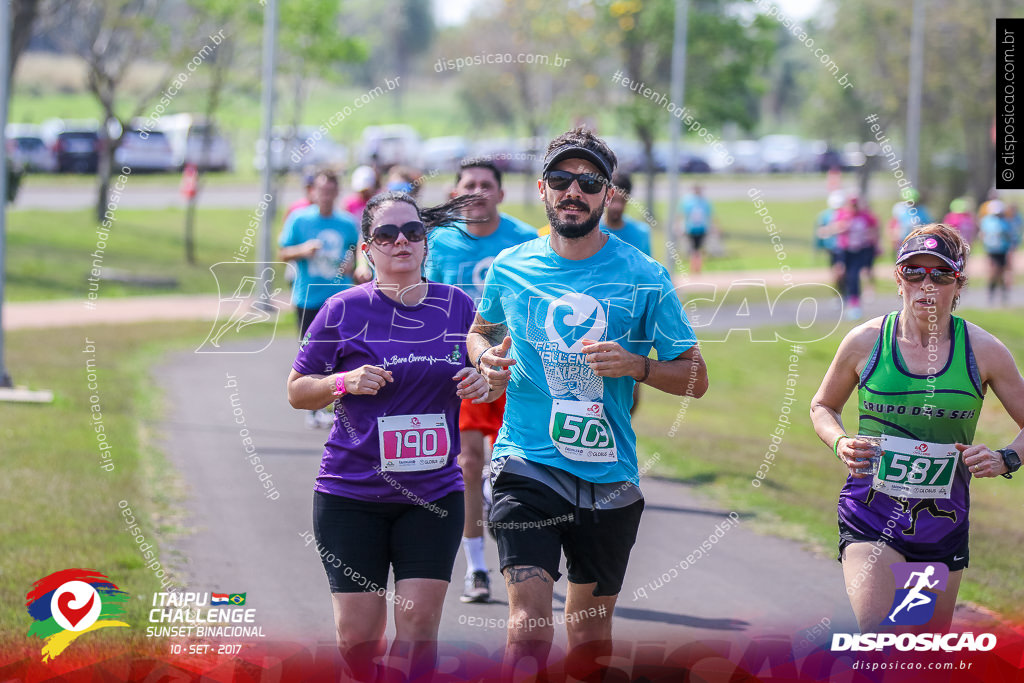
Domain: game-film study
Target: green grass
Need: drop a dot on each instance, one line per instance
(721, 440)
(50, 252)
(61, 508)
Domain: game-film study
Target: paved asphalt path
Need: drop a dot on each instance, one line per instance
(38, 191)
(747, 585)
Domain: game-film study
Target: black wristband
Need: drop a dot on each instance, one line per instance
(647, 369)
(480, 357)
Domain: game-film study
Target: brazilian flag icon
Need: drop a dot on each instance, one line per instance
(237, 598)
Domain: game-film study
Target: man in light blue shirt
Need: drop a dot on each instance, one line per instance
(616, 222)
(566, 324)
(697, 221)
(322, 243)
(461, 255)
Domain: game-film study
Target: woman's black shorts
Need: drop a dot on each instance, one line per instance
(359, 541)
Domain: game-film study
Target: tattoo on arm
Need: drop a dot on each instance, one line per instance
(494, 333)
(520, 574)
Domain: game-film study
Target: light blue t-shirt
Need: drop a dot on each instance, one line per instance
(455, 258)
(908, 220)
(319, 277)
(632, 232)
(696, 213)
(550, 304)
(996, 234)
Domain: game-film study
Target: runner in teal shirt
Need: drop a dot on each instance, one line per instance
(457, 257)
(460, 255)
(616, 222)
(566, 323)
(550, 304)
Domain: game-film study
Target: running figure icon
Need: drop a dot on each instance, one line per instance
(916, 597)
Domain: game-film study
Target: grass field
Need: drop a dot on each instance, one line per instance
(50, 253)
(61, 508)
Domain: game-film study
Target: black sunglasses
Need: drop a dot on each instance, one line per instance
(940, 275)
(589, 183)
(385, 235)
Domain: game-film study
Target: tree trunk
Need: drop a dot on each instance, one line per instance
(104, 170)
(23, 17)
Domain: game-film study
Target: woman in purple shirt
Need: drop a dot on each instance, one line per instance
(391, 355)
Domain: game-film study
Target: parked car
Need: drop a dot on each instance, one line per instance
(149, 151)
(292, 150)
(529, 155)
(385, 146)
(747, 157)
(75, 145)
(186, 134)
(443, 154)
(27, 149)
(501, 152)
(782, 153)
(688, 161)
(852, 156)
(630, 153)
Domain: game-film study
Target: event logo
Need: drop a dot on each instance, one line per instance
(914, 604)
(573, 317)
(68, 603)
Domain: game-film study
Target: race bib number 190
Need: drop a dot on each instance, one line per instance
(413, 443)
(580, 431)
(915, 469)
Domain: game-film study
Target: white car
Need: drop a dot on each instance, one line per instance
(27, 149)
(294, 150)
(385, 146)
(194, 141)
(148, 151)
(443, 154)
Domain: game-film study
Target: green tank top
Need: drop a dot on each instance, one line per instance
(942, 408)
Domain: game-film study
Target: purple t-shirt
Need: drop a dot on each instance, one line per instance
(423, 346)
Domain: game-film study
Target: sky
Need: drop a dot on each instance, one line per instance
(448, 12)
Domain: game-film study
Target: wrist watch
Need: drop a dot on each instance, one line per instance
(1011, 460)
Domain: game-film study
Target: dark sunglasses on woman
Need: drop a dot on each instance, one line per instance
(385, 235)
(940, 275)
(589, 183)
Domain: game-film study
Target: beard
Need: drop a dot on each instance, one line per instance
(571, 230)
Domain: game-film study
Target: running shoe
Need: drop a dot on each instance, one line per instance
(478, 588)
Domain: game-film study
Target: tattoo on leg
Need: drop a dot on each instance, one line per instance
(520, 574)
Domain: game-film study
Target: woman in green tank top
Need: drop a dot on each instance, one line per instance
(921, 375)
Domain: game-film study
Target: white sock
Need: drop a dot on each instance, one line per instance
(475, 561)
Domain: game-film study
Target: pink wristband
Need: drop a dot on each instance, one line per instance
(339, 384)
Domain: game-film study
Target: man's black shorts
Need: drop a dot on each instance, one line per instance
(533, 525)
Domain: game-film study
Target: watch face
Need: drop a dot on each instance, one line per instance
(1011, 458)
